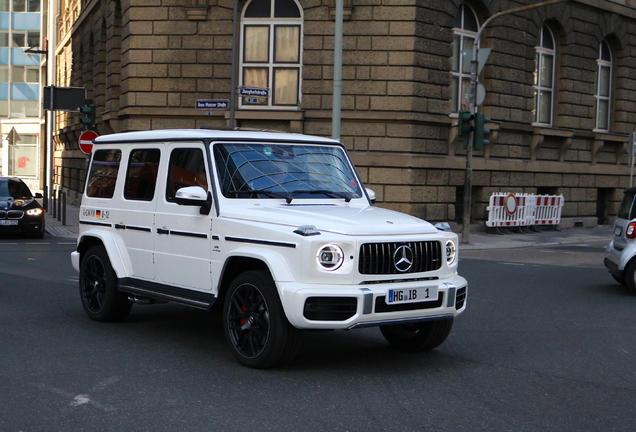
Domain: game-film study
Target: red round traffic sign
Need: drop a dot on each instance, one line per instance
(511, 204)
(86, 141)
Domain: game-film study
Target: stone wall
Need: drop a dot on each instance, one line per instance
(145, 62)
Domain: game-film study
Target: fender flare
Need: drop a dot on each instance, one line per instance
(115, 248)
(276, 264)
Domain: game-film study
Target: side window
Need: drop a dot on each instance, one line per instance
(544, 78)
(464, 32)
(141, 177)
(187, 168)
(103, 174)
(603, 87)
(271, 42)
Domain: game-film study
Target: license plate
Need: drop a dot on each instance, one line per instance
(411, 295)
(618, 230)
(8, 222)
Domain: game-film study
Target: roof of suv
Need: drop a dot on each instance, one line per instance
(211, 134)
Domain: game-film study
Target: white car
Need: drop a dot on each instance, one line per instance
(276, 227)
(621, 251)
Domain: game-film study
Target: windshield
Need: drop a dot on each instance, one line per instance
(285, 171)
(11, 189)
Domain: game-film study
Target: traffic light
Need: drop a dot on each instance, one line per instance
(465, 125)
(480, 131)
(88, 116)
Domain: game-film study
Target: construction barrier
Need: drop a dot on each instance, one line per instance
(509, 210)
(548, 210)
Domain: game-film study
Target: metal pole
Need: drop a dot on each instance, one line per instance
(632, 143)
(63, 208)
(468, 175)
(59, 204)
(235, 34)
(53, 203)
(337, 72)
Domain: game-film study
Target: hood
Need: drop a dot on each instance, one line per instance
(347, 220)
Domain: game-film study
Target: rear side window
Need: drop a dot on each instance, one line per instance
(627, 209)
(141, 177)
(187, 168)
(103, 174)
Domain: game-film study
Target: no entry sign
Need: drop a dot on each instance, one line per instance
(86, 141)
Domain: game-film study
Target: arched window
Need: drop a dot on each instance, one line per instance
(466, 27)
(603, 87)
(544, 78)
(271, 52)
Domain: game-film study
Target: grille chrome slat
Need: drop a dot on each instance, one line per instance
(378, 258)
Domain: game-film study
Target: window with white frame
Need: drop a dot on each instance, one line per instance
(544, 78)
(271, 52)
(603, 87)
(466, 27)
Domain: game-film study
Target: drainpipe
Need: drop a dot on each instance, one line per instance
(337, 72)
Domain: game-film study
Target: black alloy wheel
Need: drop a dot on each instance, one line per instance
(98, 288)
(255, 324)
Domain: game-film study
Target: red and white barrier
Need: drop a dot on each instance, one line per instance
(519, 210)
(548, 210)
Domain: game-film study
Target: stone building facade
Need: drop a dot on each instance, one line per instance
(560, 89)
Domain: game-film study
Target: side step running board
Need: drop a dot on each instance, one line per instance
(199, 304)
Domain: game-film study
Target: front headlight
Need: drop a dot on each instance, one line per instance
(451, 252)
(35, 212)
(330, 257)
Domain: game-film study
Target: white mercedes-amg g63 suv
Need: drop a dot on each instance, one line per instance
(275, 227)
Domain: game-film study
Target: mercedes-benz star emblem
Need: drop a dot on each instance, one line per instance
(403, 259)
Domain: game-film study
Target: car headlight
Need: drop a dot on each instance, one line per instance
(330, 257)
(35, 212)
(451, 252)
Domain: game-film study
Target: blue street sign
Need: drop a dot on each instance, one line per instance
(254, 91)
(212, 104)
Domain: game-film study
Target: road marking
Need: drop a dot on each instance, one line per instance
(517, 264)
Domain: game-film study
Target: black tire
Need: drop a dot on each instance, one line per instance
(620, 280)
(420, 336)
(630, 276)
(256, 328)
(101, 299)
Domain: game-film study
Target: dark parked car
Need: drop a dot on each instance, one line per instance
(20, 213)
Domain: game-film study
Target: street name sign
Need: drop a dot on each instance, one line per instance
(254, 91)
(212, 104)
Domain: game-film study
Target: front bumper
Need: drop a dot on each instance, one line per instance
(347, 307)
(24, 226)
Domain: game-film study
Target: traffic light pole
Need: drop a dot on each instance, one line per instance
(468, 175)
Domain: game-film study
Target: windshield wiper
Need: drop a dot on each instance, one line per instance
(272, 194)
(343, 195)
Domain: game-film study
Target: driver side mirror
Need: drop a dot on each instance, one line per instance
(371, 195)
(194, 196)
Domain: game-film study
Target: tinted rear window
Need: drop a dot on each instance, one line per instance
(627, 209)
(103, 174)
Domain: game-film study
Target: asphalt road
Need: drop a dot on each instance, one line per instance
(547, 344)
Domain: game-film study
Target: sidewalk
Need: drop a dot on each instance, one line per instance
(479, 240)
(599, 236)
(57, 228)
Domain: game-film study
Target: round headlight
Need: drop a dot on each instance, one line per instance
(35, 212)
(451, 252)
(330, 257)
